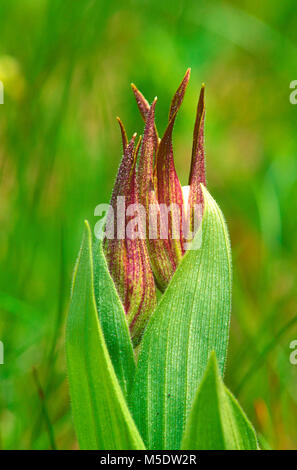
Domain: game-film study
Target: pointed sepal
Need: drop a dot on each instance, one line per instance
(197, 172)
(126, 253)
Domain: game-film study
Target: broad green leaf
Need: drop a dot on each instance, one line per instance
(217, 421)
(113, 320)
(101, 416)
(191, 320)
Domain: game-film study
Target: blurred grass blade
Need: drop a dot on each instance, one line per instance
(216, 421)
(44, 410)
(113, 320)
(101, 416)
(191, 320)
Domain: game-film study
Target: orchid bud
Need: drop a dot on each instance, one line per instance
(138, 259)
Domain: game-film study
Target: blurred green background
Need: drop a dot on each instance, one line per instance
(66, 68)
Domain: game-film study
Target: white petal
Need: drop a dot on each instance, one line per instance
(186, 193)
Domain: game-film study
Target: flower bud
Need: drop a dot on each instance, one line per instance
(139, 259)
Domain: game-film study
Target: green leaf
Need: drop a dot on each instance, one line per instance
(217, 421)
(101, 416)
(113, 320)
(191, 320)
